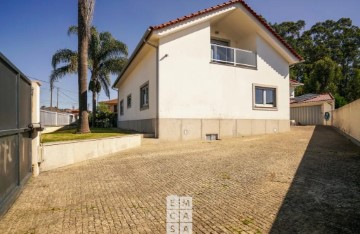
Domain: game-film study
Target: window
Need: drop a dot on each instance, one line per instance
(265, 97)
(144, 96)
(221, 52)
(115, 109)
(128, 101)
(122, 107)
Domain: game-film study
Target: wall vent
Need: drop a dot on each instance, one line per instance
(212, 137)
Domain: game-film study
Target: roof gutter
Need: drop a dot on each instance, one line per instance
(141, 43)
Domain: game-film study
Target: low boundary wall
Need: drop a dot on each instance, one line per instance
(60, 154)
(347, 119)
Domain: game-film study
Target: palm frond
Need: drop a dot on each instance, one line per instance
(105, 81)
(114, 66)
(60, 72)
(111, 48)
(64, 56)
(73, 30)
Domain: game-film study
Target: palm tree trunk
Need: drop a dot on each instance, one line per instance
(94, 94)
(83, 41)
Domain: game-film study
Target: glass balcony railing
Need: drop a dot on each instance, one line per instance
(234, 56)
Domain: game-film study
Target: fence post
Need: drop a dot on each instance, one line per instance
(35, 118)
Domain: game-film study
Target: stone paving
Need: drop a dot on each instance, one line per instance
(304, 181)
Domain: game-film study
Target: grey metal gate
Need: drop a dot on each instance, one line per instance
(309, 115)
(15, 136)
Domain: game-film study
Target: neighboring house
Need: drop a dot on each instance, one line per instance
(310, 109)
(219, 72)
(112, 104)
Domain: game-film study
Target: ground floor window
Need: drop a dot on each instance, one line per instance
(144, 96)
(128, 101)
(265, 97)
(122, 107)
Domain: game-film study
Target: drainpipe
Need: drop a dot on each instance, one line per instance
(157, 88)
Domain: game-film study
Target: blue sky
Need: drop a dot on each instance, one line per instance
(32, 30)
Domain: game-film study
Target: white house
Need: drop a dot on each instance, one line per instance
(219, 72)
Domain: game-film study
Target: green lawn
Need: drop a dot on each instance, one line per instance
(70, 135)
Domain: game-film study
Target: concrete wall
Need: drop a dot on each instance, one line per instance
(347, 119)
(192, 87)
(144, 71)
(35, 118)
(196, 129)
(60, 154)
(139, 125)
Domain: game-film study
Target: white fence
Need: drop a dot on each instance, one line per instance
(49, 118)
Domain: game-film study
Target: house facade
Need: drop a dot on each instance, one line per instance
(219, 72)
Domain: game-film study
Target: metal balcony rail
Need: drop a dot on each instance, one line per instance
(234, 56)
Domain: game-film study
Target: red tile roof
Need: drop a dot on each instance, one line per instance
(294, 81)
(217, 7)
(306, 98)
(110, 102)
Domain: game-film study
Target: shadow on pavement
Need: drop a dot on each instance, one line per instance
(324, 196)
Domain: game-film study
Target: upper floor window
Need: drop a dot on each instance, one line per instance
(122, 107)
(265, 97)
(128, 101)
(144, 96)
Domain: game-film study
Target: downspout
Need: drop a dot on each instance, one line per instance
(157, 88)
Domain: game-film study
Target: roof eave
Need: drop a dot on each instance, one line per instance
(133, 55)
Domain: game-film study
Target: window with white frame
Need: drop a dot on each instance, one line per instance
(265, 97)
(144, 96)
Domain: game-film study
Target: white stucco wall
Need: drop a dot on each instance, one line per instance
(347, 119)
(60, 154)
(143, 72)
(192, 87)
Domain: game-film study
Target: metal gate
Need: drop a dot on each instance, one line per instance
(15, 136)
(309, 115)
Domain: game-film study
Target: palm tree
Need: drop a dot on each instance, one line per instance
(106, 56)
(85, 14)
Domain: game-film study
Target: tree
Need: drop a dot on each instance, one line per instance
(106, 56)
(85, 14)
(353, 89)
(325, 76)
(338, 41)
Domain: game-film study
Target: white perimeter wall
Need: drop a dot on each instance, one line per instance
(192, 87)
(347, 119)
(144, 71)
(60, 154)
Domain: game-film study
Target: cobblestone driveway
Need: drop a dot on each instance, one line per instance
(303, 181)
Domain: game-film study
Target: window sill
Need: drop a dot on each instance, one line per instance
(144, 108)
(264, 108)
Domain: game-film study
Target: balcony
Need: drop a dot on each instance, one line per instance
(233, 56)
